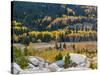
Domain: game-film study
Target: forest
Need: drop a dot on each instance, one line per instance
(69, 23)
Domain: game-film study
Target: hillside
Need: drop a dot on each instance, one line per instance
(45, 22)
(42, 16)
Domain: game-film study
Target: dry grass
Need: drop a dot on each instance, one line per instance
(85, 48)
(48, 54)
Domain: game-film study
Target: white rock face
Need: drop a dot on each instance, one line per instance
(33, 60)
(79, 59)
(36, 61)
(16, 68)
(53, 67)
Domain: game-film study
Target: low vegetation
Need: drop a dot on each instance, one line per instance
(19, 58)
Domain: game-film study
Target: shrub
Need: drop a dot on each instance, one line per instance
(16, 53)
(26, 52)
(22, 62)
(19, 58)
(59, 56)
(67, 61)
(93, 65)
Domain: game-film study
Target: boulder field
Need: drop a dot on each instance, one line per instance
(39, 65)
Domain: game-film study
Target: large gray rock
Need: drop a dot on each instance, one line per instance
(60, 63)
(53, 67)
(79, 59)
(37, 61)
(16, 68)
(30, 66)
(41, 62)
(33, 60)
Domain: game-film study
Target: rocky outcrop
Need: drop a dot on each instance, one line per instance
(16, 68)
(37, 64)
(53, 67)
